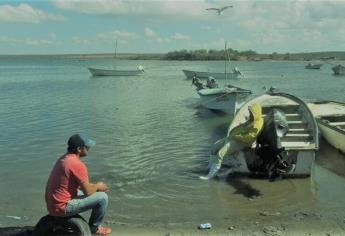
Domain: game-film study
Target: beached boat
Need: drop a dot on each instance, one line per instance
(313, 66)
(115, 71)
(288, 142)
(227, 99)
(330, 117)
(339, 70)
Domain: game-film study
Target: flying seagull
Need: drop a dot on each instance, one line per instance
(219, 10)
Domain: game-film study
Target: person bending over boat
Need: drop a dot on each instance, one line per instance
(198, 84)
(69, 176)
(241, 137)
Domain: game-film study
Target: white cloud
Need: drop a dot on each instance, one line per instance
(28, 41)
(121, 36)
(150, 34)
(24, 13)
(78, 40)
(143, 10)
(178, 36)
(37, 42)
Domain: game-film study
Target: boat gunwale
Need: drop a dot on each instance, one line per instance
(328, 125)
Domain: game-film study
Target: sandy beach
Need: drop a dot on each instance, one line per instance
(302, 224)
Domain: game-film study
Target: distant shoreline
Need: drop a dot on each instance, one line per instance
(164, 56)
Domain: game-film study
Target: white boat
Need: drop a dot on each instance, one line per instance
(115, 71)
(339, 70)
(313, 66)
(330, 117)
(235, 74)
(227, 99)
(288, 142)
(110, 72)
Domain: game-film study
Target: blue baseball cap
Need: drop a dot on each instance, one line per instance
(80, 140)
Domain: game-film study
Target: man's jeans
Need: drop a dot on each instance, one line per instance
(98, 202)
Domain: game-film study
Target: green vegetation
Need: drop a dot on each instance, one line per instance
(205, 55)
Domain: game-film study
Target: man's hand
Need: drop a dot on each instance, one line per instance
(102, 187)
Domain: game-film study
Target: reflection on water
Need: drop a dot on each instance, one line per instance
(153, 141)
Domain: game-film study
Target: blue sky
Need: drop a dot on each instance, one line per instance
(143, 26)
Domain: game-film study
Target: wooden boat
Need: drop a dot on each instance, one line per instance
(313, 66)
(330, 117)
(114, 72)
(288, 142)
(227, 99)
(339, 70)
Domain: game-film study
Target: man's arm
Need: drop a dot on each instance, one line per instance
(90, 188)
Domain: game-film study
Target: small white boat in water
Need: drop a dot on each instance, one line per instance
(227, 99)
(114, 72)
(288, 142)
(235, 74)
(339, 70)
(330, 117)
(313, 66)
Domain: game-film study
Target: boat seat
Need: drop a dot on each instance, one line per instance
(337, 123)
(298, 130)
(296, 144)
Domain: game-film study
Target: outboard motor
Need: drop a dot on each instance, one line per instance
(273, 156)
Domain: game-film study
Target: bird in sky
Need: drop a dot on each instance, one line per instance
(219, 10)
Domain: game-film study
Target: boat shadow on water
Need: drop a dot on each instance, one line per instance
(242, 188)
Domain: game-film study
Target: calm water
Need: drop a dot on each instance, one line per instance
(152, 139)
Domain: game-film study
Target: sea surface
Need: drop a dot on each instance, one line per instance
(153, 140)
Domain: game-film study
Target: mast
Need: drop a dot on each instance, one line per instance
(225, 59)
(114, 63)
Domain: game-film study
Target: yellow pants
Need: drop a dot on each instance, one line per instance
(220, 149)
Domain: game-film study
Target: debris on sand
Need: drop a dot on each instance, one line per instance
(267, 213)
(273, 231)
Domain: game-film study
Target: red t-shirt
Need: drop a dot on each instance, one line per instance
(66, 177)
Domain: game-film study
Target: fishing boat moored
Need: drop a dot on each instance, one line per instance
(330, 117)
(287, 145)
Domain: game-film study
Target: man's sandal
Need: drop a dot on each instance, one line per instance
(103, 230)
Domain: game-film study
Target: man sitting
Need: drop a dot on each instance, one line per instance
(68, 176)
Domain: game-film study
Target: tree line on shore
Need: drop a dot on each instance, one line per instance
(235, 55)
(212, 54)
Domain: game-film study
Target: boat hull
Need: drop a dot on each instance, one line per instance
(227, 99)
(330, 117)
(103, 72)
(205, 75)
(313, 66)
(300, 143)
(333, 136)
